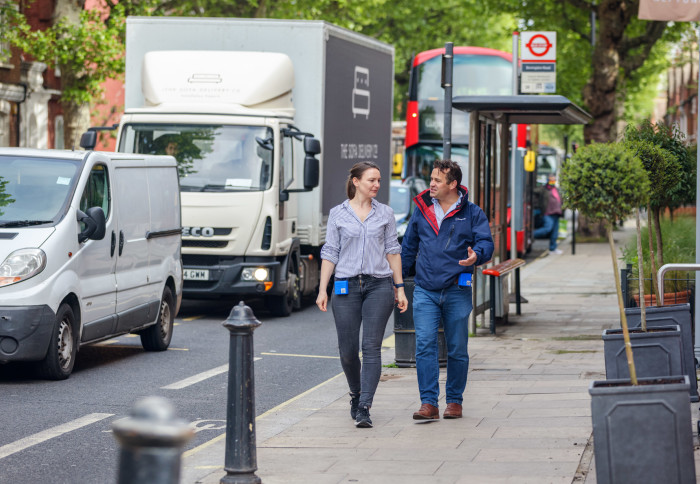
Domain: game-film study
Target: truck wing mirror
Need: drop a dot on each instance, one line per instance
(95, 226)
(311, 172)
(88, 140)
(312, 146)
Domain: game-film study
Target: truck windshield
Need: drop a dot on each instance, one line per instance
(214, 158)
(34, 191)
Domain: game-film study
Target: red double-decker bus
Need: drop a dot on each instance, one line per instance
(477, 71)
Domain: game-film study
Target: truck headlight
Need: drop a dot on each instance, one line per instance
(255, 274)
(21, 265)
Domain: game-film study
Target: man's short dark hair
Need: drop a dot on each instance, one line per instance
(451, 170)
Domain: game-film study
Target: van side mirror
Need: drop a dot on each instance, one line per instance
(95, 226)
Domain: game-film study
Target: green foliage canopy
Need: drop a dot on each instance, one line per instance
(411, 26)
(604, 181)
(662, 168)
(674, 177)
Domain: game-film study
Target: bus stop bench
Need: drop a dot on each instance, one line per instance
(494, 273)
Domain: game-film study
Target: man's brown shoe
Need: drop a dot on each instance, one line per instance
(427, 412)
(453, 410)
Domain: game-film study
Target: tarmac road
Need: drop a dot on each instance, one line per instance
(61, 431)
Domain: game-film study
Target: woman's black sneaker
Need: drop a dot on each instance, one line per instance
(362, 420)
(354, 403)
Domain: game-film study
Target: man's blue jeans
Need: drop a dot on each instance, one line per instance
(453, 305)
(551, 229)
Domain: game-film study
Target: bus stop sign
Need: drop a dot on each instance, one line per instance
(538, 52)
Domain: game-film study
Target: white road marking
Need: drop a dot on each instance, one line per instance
(44, 435)
(179, 385)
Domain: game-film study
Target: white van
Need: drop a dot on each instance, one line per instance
(89, 249)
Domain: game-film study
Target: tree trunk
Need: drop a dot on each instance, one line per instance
(586, 228)
(68, 10)
(659, 242)
(621, 306)
(76, 122)
(600, 93)
(76, 116)
(617, 54)
(640, 264)
(652, 259)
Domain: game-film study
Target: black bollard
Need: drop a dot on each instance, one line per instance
(151, 441)
(241, 461)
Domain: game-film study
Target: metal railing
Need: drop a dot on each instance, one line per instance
(673, 267)
(677, 290)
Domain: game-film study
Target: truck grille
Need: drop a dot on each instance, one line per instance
(199, 285)
(208, 244)
(201, 260)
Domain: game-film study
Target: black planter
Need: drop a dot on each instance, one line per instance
(405, 333)
(657, 352)
(675, 314)
(642, 433)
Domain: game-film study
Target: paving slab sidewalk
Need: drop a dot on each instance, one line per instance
(526, 407)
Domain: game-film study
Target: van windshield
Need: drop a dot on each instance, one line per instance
(214, 158)
(33, 191)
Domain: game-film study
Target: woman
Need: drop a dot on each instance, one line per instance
(362, 247)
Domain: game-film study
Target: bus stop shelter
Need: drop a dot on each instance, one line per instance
(491, 174)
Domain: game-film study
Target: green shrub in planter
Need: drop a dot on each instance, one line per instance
(607, 182)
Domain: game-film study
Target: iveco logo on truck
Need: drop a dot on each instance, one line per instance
(197, 231)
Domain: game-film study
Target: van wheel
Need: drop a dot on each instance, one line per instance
(282, 306)
(60, 358)
(158, 336)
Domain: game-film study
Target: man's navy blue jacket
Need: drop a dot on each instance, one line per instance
(439, 250)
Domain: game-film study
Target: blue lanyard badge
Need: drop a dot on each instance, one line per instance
(341, 287)
(465, 280)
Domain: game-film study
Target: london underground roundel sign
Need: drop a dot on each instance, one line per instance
(538, 46)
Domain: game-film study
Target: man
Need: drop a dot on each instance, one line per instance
(446, 237)
(551, 208)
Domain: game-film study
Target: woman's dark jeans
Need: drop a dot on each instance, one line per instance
(369, 303)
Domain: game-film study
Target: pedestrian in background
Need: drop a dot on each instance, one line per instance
(551, 208)
(446, 238)
(363, 249)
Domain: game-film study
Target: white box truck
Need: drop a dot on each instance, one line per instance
(242, 104)
(90, 250)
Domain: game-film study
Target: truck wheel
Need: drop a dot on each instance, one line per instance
(158, 336)
(282, 306)
(60, 358)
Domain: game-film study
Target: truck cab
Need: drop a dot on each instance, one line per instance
(231, 131)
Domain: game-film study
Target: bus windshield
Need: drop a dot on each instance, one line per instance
(34, 191)
(474, 75)
(214, 158)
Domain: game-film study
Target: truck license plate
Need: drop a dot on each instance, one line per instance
(196, 274)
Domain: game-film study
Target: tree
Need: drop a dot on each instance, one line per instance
(5, 198)
(664, 168)
(608, 76)
(411, 26)
(86, 45)
(663, 171)
(605, 181)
